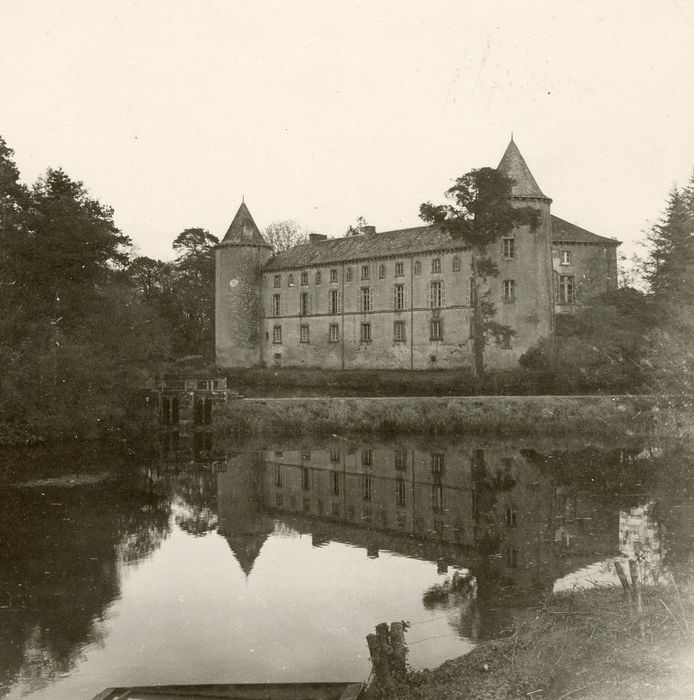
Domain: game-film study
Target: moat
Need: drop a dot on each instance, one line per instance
(208, 562)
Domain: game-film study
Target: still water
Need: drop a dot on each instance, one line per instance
(270, 563)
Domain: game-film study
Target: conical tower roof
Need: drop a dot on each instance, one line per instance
(243, 230)
(246, 548)
(513, 165)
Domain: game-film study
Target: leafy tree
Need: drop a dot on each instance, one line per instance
(480, 212)
(283, 235)
(357, 228)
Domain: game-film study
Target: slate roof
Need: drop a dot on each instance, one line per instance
(243, 230)
(514, 166)
(566, 232)
(404, 242)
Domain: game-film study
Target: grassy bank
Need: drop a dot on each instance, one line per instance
(438, 416)
(584, 644)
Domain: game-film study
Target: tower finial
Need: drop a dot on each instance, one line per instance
(243, 196)
(511, 137)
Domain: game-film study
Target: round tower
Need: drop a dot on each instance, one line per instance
(239, 261)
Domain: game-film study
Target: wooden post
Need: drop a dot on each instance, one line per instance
(636, 585)
(380, 660)
(397, 643)
(623, 580)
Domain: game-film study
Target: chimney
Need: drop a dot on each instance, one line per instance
(369, 230)
(315, 237)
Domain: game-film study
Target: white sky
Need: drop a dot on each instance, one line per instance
(323, 111)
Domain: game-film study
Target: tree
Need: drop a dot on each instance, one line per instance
(480, 213)
(194, 281)
(357, 228)
(283, 235)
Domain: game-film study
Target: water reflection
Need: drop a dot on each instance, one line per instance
(282, 557)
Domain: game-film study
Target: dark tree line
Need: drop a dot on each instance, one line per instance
(83, 323)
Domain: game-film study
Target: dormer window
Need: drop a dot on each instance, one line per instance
(566, 257)
(436, 265)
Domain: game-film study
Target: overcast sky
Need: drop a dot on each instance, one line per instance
(324, 111)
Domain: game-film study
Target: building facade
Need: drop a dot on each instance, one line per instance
(400, 299)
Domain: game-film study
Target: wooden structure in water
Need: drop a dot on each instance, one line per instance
(243, 691)
(191, 400)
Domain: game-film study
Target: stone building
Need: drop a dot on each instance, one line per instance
(400, 299)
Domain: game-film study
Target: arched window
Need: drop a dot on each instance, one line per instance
(290, 280)
(318, 277)
(349, 274)
(417, 267)
(456, 264)
(382, 272)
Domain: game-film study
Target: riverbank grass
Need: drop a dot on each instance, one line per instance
(581, 644)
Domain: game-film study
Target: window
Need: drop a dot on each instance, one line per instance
(506, 341)
(436, 329)
(304, 336)
(456, 264)
(366, 458)
(437, 498)
(399, 297)
(400, 459)
(319, 277)
(365, 333)
(278, 475)
(290, 280)
(382, 272)
(511, 516)
(349, 274)
(307, 505)
(304, 304)
(304, 279)
(436, 264)
(306, 479)
(567, 289)
(335, 510)
(279, 500)
(566, 257)
(417, 267)
(333, 275)
(334, 455)
(471, 292)
(509, 248)
(276, 304)
(437, 463)
(365, 299)
(509, 290)
(277, 335)
(334, 334)
(367, 487)
(399, 269)
(365, 272)
(436, 294)
(399, 332)
(334, 302)
(401, 493)
(335, 483)
(277, 281)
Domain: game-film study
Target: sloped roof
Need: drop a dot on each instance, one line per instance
(566, 232)
(403, 242)
(243, 230)
(513, 165)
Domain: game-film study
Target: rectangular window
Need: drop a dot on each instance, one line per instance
(399, 332)
(436, 264)
(306, 479)
(399, 297)
(567, 289)
(304, 336)
(437, 498)
(471, 292)
(319, 277)
(277, 335)
(509, 248)
(334, 455)
(566, 257)
(381, 272)
(436, 329)
(436, 294)
(348, 274)
(367, 487)
(276, 304)
(366, 458)
(334, 302)
(334, 334)
(509, 290)
(365, 298)
(401, 493)
(456, 264)
(333, 275)
(400, 460)
(304, 279)
(290, 280)
(365, 272)
(304, 304)
(399, 269)
(335, 510)
(278, 475)
(437, 463)
(335, 483)
(277, 281)
(365, 333)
